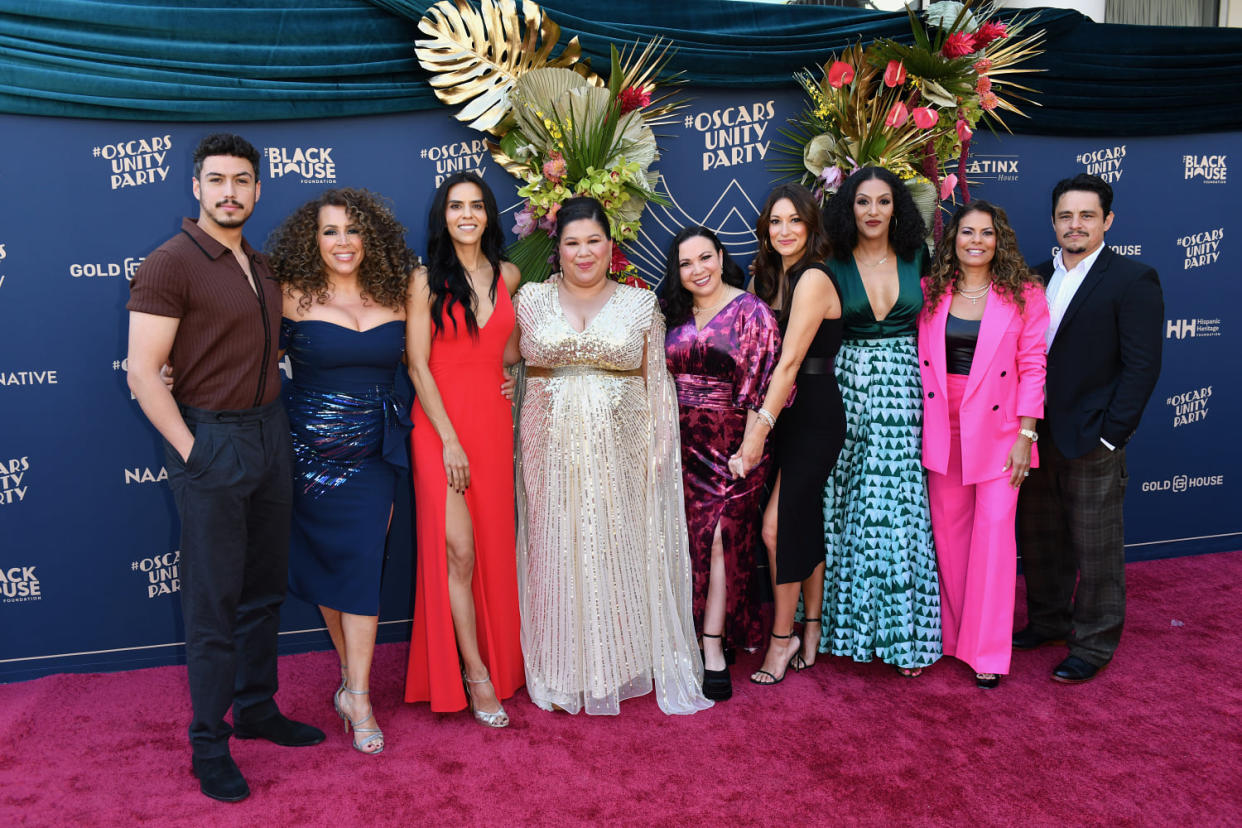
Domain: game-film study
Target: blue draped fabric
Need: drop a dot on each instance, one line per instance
(177, 60)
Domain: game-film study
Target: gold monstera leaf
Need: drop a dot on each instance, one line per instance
(475, 57)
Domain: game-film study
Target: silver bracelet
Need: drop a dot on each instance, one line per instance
(767, 417)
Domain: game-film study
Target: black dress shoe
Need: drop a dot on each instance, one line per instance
(717, 685)
(1075, 671)
(219, 778)
(281, 730)
(1028, 639)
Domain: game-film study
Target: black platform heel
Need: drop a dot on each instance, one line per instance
(717, 685)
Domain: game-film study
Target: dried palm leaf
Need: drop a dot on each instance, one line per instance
(476, 57)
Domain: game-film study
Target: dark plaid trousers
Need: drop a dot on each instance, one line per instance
(1072, 541)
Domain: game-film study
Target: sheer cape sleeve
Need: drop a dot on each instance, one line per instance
(677, 667)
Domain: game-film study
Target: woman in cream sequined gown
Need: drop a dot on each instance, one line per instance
(603, 568)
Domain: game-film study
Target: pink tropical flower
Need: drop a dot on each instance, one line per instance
(894, 74)
(964, 132)
(554, 168)
(548, 222)
(524, 222)
(840, 74)
(984, 84)
(831, 177)
(958, 44)
(982, 66)
(946, 186)
(990, 31)
(633, 97)
(897, 115)
(988, 101)
(924, 117)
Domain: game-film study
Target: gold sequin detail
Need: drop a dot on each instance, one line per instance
(603, 568)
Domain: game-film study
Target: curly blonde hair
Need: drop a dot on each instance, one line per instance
(1010, 274)
(385, 271)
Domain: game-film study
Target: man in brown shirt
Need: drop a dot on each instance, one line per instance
(206, 303)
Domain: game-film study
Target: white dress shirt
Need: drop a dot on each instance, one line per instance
(1061, 289)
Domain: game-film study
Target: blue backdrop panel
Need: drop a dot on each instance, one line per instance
(88, 532)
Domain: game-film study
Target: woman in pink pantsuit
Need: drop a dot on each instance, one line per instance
(981, 355)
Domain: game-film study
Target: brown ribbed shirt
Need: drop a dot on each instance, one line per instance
(226, 345)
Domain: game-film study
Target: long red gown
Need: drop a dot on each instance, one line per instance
(468, 374)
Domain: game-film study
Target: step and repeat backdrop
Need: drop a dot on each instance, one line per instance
(89, 560)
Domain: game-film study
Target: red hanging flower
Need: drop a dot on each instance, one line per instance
(894, 74)
(964, 132)
(633, 97)
(924, 117)
(619, 260)
(897, 115)
(988, 32)
(958, 44)
(840, 74)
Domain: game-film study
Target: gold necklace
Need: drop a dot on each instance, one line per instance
(719, 304)
(872, 264)
(974, 294)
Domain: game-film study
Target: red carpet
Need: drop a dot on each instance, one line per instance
(1155, 740)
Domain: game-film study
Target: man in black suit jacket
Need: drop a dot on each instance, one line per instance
(1104, 343)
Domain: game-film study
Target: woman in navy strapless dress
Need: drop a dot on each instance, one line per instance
(344, 267)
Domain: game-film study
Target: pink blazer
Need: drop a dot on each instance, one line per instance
(1006, 382)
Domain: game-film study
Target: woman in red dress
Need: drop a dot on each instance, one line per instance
(465, 646)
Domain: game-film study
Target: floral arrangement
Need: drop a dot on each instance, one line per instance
(571, 138)
(911, 108)
(561, 129)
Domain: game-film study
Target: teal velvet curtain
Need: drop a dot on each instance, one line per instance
(276, 59)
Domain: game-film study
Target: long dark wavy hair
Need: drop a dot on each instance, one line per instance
(447, 280)
(387, 262)
(1010, 274)
(676, 300)
(772, 281)
(905, 233)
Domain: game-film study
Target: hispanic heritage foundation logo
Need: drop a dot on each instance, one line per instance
(136, 162)
(1191, 328)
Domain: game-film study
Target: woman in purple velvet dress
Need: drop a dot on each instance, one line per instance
(722, 345)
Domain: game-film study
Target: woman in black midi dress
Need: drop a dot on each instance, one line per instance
(788, 277)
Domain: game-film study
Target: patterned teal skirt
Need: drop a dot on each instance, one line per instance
(881, 594)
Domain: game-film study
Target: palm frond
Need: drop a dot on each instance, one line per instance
(476, 56)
